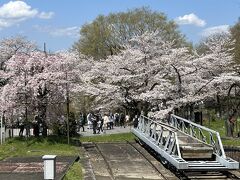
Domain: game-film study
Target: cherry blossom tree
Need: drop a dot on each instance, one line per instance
(8, 48)
(151, 74)
(13, 45)
(226, 77)
(151, 71)
(37, 81)
(135, 77)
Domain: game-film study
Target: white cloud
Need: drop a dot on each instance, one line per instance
(215, 30)
(69, 31)
(190, 19)
(17, 9)
(72, 32)
(46, 15)
(15, 12)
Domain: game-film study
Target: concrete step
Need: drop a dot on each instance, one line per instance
(201, 165)
(195, 150)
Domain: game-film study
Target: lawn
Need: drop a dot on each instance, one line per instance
(121, 137)
(19, 147)
(219, 126)
(74, 173)
(22, 147)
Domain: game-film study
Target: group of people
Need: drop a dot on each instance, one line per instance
(36, 125)
(96, 121)
(99, 123)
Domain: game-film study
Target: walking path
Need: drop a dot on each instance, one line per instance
(115, 130)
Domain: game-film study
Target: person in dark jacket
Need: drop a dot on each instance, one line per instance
(21, 126)
(94, 123)
(81, 122)
(100, 124)
(135, 121)
(122, 120)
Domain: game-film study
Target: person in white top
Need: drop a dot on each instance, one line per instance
(127, 118)
(89, 120)
(106, 121)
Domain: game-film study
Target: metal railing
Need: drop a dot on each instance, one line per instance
(161, 134)
(201, 133)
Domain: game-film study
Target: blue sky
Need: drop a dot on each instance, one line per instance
(57, 22)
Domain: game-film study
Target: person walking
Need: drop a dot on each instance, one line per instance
(81, 122)
(27, 126)
(21, 126)
(111, 121)
(106, 121)
(122, 120)
(135, 121)
(116, 119)
(89, 120)
(35, 126)
(100, 124)
(127, 118)
(94, 123)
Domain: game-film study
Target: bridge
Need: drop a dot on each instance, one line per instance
(185, 144)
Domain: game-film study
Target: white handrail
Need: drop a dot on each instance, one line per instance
(194, 124)
(218, 150)
(154, 129)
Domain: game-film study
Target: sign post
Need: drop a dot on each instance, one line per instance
(1, 135)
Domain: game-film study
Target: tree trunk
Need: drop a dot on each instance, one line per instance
(42, 108)
(229, 129)
(191, 109)
(145, 108)
(230, 124)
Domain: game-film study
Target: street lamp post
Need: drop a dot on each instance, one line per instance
(1, 135)
(26, 106)
(67, 99)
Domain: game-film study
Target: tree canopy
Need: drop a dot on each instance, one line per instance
(235, 31)
(107, 35)
(35, 82)
(153, 72)
(150, 74)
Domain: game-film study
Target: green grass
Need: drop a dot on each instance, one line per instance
(219, 126)
(20, 147)
(231, 142)
(74, 173)
(109, 138)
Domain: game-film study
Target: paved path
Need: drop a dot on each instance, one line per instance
(115, 130)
